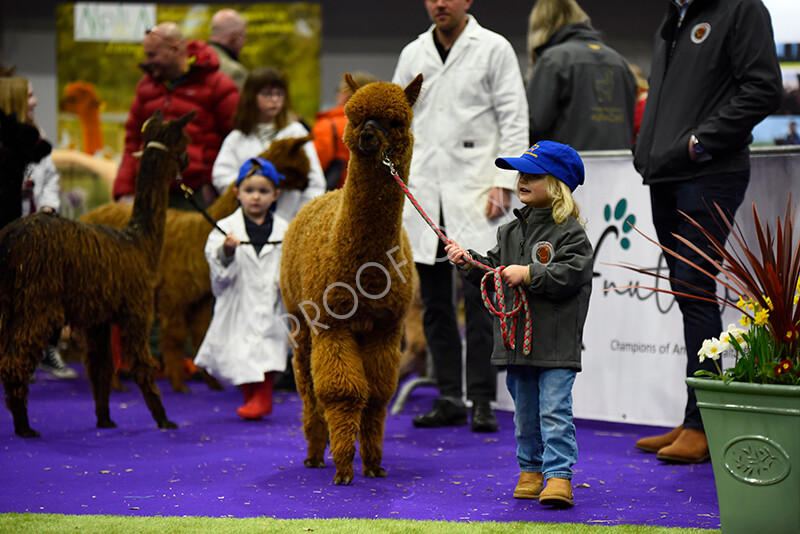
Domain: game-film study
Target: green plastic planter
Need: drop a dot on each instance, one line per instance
(753, 433)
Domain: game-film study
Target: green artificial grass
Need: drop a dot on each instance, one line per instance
(105, 524)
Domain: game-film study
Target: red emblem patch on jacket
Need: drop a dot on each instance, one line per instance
(700, 32)
(542, 252)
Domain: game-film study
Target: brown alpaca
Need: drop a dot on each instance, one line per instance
(81, 98)
(54, 271)
(347, 281)
(183, 288)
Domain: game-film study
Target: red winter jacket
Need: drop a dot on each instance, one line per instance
(206, 90)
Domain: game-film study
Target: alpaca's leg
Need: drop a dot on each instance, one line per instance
(16, 367)
(100, 369)
(133, 336)
(314, 426)
(381, 361)
(199, 320)
(342, 388)
(172, 341)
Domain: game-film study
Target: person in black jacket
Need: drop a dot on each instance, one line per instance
(580, 91)
(714, 76)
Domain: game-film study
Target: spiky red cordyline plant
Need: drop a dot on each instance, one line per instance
(773, 276)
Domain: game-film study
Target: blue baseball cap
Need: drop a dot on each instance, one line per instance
(548, 157)
(259, 166)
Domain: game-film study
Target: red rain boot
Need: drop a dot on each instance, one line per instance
(260, 401)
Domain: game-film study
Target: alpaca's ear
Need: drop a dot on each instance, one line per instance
(297, 143)
(412, 89)
(351, 82)
(183, 121)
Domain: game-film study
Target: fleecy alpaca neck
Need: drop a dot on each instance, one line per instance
(149, 218)
(90, 128)
(371, 211)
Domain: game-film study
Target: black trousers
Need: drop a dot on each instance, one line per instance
(444, 341)
(696, 198)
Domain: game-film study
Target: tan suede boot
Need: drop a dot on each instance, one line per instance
(529, 486)
(691, 447)
(656, 443)
(557, 493)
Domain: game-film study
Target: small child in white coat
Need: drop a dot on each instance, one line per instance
(246, 342)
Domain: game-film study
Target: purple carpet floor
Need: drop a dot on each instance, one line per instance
(218, 465)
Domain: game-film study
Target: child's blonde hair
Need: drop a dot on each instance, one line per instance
(560, 196)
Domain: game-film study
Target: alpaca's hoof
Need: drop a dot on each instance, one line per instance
(379, 473)
(106, 423)
(342, 480)
(26, 432)
(312, 463)
(167, 425)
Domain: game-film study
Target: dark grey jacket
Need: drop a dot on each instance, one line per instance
(581, 92)
(722, 79)
(561, 282)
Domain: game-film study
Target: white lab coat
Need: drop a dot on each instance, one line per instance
(46, 185)
(238, 148)
(471, 110)
(246, 337)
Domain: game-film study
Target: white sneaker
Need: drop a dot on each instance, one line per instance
(53, 364)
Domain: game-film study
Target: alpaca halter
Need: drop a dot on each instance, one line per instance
(154, 144)
(520, 299)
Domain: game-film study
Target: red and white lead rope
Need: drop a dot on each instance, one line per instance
(508, 319)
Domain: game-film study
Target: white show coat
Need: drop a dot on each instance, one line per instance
(471, 110)
(46, 185)
(238, 148)
(246, 337)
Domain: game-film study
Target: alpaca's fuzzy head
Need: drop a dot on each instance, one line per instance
(379, 120)
(80, 96)
(289, 158)
(170, 134)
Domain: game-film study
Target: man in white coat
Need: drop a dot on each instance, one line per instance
(471, 110)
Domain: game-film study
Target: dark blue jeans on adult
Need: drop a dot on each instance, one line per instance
(543, 424)
(444, 340)
(695, 197)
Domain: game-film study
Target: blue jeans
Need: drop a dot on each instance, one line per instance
(543, 419)
(696, 198)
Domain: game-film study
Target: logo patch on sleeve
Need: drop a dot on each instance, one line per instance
(542, 252)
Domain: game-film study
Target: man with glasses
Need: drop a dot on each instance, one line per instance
(179, 76)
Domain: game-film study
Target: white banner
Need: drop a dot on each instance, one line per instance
(117, 22)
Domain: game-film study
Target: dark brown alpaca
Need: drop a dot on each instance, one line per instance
(54, 271)
(183, 287)
(347, 281)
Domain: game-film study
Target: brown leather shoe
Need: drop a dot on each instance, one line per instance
(656, 443)
(529, 486)
(691, 447)
(558, 493)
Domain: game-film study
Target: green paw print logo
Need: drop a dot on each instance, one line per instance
(627, 222)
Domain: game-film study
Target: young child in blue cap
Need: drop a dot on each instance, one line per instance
(547, 253)
(246, 341)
